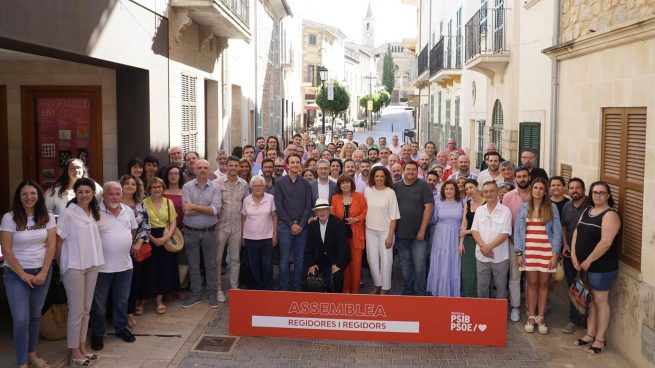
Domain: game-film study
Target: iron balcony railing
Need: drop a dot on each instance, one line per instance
(485, 32)
(445, 54)
(437, 57)
(423, 59)
(240, 8)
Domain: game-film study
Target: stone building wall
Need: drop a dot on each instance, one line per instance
(580, 18)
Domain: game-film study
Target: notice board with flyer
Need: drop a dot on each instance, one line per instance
(389, 318)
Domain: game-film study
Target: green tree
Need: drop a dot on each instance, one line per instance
(385, 98)
(388, 77)
(338, 104)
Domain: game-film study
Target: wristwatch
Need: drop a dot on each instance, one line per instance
(518, 254)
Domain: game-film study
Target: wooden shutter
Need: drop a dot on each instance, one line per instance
(189, 116)
(623, 156)
(530, 138)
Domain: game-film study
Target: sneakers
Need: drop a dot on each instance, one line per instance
(569, 328)
(515, 315)
(213, 303)
(529, 324)
(220, 296)
(191, 301)
(541, 325)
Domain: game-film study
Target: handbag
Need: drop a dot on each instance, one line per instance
(314, 284)
(144, 253)
(176, 242)
(580, 294)
(54, 322)
(559, 272)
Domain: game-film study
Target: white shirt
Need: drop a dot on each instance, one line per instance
(360, 185)
(323, 190)
(82, 247)
(490, 225)
(485, 177)
(57, 204)
(322, 226)
(382, 208)
(29, 245)
(116, 237)
(396, 150)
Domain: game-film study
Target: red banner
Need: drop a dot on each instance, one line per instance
(389, 318)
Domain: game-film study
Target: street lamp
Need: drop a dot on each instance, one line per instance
(322, 74)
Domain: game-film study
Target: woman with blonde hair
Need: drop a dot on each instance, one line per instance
(537, 244)
(162, 216)
(347, 150)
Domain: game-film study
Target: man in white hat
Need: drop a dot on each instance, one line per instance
(326, 251)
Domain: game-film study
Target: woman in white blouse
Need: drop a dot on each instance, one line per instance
(381, 218)
(27, 234)
(58, 196)
(80, 253)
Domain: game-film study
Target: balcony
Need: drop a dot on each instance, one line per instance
(445, 64)
(422, 68)
(225, 18)
(487, 50)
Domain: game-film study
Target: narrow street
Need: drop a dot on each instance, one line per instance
(394, 119)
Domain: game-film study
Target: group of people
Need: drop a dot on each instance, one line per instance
(322, 207)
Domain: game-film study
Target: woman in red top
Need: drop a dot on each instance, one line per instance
(350, 206)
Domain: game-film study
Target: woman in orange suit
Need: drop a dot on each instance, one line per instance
(350, 206)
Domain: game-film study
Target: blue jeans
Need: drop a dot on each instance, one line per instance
(25, 304)
(260, 257)
(289, 242)
(413, 255)
(118, 285)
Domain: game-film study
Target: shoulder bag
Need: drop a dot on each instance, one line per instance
(176, 243)
(580, 293)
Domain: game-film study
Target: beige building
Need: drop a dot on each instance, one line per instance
(606, 58)
(402, 64)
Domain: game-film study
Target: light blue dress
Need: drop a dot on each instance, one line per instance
(444, 276)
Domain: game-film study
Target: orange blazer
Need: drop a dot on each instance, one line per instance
(357, 209)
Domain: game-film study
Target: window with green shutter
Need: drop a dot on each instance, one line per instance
(530, 138)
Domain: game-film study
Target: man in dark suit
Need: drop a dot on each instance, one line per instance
(327, 249)
(323, 187)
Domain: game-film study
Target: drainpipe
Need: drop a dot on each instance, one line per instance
(256, 92)
(554, 94)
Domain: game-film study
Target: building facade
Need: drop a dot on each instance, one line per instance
(606, 70)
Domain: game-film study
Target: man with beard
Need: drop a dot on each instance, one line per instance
(397, 172)
(350, 168)
(267, 173)
(260, 143)
(415, 203)
(513, 200)
(278, 168)
(358, 156)
(373, 154)
(527, 160)
(491, 147)
(332, 148)
(190, 160)
(221, 160)
(175, 156)
(463, 164)
(429, 149)
(571, 213)
(117, 227)
(492, 172)
(423, 166)
(395, 147)
(413, 147)
(361, 181)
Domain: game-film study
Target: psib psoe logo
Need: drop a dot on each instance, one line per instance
(461, 322)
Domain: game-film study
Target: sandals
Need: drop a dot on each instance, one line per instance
(161, 309)
(38, 363)
(138, 310)
(582, 342)
(80, 363)
(529, 326)
(131, 321)
(595, 349)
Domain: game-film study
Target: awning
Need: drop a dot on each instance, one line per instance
(312, 106)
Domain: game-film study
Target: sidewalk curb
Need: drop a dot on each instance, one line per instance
(193, 337)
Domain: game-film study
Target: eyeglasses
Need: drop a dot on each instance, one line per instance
(599, 194)
(173, 174)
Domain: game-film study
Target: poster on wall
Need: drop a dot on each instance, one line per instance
(63, 132)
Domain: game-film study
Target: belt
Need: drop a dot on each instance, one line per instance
(205, 230)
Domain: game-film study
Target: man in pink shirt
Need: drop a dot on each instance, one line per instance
(513, 200)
